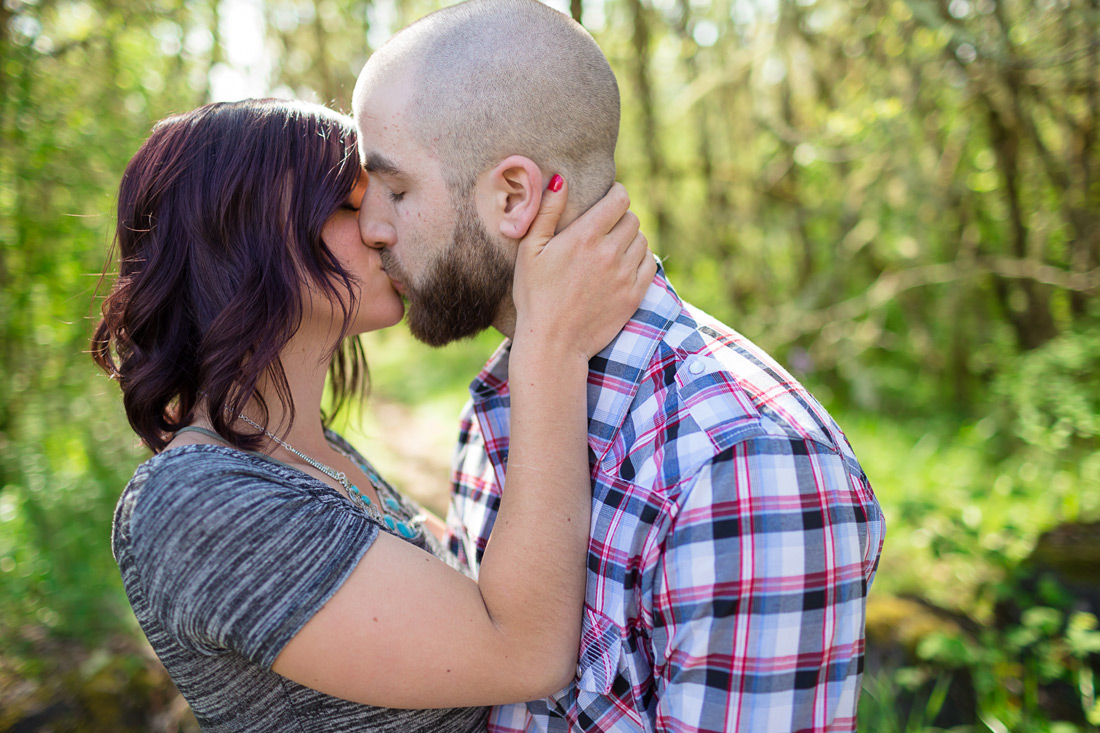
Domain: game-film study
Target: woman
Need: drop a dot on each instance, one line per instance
(281, 581)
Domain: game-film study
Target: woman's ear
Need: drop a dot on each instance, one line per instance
(509, 195)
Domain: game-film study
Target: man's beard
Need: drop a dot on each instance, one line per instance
(463, 289)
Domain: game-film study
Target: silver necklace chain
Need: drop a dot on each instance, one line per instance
(391, 515)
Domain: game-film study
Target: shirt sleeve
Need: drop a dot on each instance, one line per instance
(475, 493)
(234, 558)
(760, 596)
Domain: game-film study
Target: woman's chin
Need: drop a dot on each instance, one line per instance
(377, 324)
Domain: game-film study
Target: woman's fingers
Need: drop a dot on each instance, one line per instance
(628, 249)
(646, 262)
(551, 207)
(624, 231)
(604, 215)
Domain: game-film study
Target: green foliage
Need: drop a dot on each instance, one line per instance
(1007, 670)
(1051, 396)
(440, 374)
(1008, 667)
(959, 513)
(80, 86)
(961, 517)
(872, 186)
(879, 705)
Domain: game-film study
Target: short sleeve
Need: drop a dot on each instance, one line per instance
(235, 556)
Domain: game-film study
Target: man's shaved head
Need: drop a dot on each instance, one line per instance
(491, 78)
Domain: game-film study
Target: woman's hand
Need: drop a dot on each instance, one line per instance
(577, 289)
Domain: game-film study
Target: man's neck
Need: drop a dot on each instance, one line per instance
(505, 322)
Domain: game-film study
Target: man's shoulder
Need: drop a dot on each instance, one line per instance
(730, 387)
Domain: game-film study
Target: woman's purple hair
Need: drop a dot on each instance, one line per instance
(219, 233)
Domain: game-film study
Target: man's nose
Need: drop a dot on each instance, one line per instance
(377, 234)
(375, 230)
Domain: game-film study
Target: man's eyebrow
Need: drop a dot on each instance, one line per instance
(378, 163)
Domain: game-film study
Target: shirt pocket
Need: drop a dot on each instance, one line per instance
(601, 648)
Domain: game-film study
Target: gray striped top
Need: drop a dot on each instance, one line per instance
(224, 556)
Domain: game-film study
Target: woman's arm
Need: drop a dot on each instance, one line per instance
(405, 630)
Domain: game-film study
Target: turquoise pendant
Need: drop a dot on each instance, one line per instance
(400, 527)
(393, 505)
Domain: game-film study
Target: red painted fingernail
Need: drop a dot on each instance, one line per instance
(556, 183)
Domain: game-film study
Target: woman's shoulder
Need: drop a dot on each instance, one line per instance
(200, 466)
(214, 481)
(198, 498)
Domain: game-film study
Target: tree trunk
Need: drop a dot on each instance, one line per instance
(643, 86)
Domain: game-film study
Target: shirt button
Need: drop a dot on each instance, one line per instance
(696, 367)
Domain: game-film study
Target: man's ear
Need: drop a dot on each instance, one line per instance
(509, 195)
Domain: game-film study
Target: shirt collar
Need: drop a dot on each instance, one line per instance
(615, 374)
(492, 380)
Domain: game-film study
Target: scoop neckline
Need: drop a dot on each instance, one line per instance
(295, 472)
(253, 454)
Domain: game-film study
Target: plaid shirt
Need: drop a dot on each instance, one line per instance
(734, 537)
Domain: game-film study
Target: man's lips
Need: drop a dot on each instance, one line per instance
(397, 284)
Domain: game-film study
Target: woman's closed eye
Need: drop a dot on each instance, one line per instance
(396, 197)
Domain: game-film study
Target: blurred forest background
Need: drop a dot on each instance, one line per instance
(900, 199)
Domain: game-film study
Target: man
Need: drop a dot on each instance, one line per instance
(734, 534)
